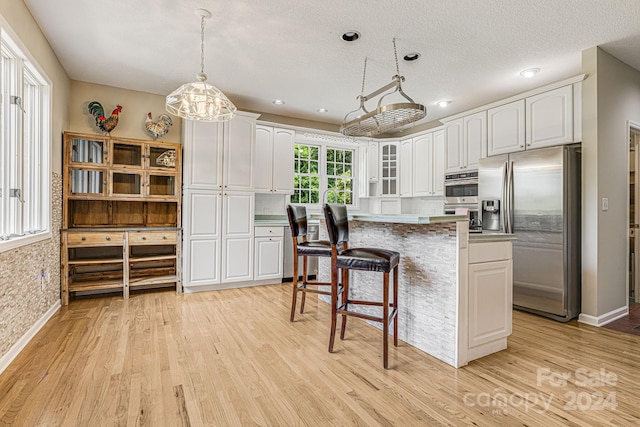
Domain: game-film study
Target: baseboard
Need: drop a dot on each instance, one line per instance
(13, 352)
(605, 318)
(232, 285)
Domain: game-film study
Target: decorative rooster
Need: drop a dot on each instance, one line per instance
(105, 124)
(158, 129)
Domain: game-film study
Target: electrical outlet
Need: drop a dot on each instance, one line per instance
(42, 278)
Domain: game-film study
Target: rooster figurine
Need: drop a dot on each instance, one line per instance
(160, 128)
(105, 124)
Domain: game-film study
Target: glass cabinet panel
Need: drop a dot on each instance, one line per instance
(389, 169)
(162, 157)
(87, 151)
(87, 182)
(162, 185)
(127, 154)
(127, 183)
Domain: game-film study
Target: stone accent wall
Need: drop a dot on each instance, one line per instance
(427, 283)
(23, 300)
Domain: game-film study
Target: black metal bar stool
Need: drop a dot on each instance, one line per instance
(367, 259)
(304, 248)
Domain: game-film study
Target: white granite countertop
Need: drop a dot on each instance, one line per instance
(407, 218)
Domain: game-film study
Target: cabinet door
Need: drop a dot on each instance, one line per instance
(475, 139)
(239, 148)
(389, 169)
(422, 165)
(202, 260)
(438, 164)
(203, 154)
(127, 154)
(490, 301)
(453, 139)
(406, 168)
(550, 118)
(506, 128)
(82, 151)
(283, 141)
(373, 159)
(268, 258)
(237, 236)
(264, 159)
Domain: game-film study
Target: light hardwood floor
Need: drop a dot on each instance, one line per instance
(233, 358)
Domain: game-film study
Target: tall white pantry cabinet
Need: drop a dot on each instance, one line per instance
(218, 202)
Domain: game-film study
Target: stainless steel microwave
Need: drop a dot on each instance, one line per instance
(461, 188)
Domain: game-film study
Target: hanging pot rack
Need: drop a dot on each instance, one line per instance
(385, 117)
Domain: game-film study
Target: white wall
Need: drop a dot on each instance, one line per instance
(611, 97)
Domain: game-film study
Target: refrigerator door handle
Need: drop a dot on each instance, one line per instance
(503, 205)
(510, 213)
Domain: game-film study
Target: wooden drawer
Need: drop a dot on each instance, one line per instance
(95, 238)
(269, 231)
(153, 237)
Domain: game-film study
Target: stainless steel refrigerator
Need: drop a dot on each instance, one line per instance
(539, 202)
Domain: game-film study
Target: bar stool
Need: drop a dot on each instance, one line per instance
(304, 248)
(365, 259)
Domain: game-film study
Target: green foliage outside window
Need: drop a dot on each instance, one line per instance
(339, 174)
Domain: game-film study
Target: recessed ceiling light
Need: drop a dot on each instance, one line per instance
(529, 72)
(411, 56)
(278, 102)
(322, 110)
(350, 36)
(443, 103)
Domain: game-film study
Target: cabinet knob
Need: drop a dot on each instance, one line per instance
(144, 237)
(522, 146)
(107, 238)
(164, 237)
(83, 238)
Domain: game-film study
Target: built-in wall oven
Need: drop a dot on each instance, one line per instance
(461, 192)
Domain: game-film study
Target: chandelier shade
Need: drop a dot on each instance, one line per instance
(200, 100)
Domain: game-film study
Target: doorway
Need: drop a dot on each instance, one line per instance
(634, 214)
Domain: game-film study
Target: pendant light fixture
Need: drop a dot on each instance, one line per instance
(200, 100)
(385, 117)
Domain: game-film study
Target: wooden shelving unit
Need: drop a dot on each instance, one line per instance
(121, 214)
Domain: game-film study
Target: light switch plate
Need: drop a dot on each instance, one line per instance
(605, 204)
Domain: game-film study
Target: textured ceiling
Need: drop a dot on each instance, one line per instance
(257, 51)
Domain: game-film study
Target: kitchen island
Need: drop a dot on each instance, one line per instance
(454, 288)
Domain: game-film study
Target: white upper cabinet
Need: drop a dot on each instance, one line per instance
(422, 166)
(274, 160)
(453, 140)
(264, 159)
(475, 139)
(437, 161)
(202, 154)
(406, 168)
(465, 140)
(219, 155)
(389, 169)
(506, 133)
(550, 118)
(239, 148)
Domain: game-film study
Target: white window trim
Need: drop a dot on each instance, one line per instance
(47, 132)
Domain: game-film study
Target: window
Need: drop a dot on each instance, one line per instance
(323, 173)
(25, 139)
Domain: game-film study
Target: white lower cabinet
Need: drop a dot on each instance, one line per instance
(218, 237)
(268, 252)
(490, 297)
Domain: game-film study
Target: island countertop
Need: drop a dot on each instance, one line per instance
(399, 219)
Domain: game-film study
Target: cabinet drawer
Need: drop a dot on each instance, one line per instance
(489, 251)
(269, 231)
(97, 238)
(152, 237)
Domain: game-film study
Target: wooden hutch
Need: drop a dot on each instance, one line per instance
(121, 214)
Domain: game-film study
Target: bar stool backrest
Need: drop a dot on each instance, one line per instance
(337, 223)
(297, 220)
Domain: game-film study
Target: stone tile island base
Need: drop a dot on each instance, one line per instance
(443, 310)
